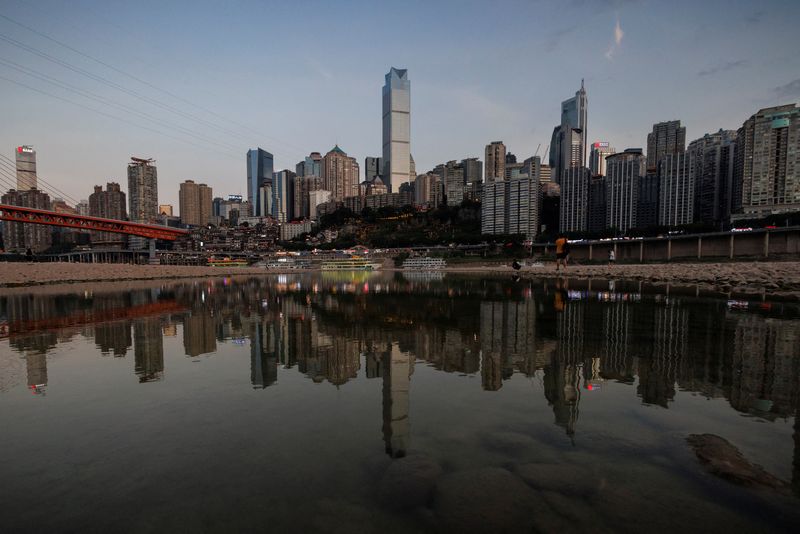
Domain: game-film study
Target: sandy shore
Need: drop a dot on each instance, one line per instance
(776, 278)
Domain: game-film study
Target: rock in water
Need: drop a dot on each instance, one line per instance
(724, 460)
(409, 482)
(486, 500)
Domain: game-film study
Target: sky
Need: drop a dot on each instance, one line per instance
(194, 85)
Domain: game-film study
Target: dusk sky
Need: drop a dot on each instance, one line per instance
(212, 79)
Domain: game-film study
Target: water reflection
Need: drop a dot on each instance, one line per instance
(573, 336)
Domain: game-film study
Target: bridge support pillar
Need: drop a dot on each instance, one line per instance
(152, 259)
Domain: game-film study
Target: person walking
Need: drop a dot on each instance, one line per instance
(562, 252)
(29, 255)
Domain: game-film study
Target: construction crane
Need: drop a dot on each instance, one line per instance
(537, 150)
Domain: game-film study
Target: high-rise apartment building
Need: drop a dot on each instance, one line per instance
(767, 162)
(340, 174)
(396, 129)
(647, 210)
(260, 165)
(574, 212)
(195, 203)
(493, 208)
(428, 190)
(142, 190)
(26, 168)
(495, 158)
(109, 204)
(511, 207)
(597, 157)
(310, 166)
(568, 143)
(303, 185)
(18, 237)
(713, 176)
(315, 198)
(596, 218)
(623, 171)
(666, 138)
(283, 196)
(676, 189)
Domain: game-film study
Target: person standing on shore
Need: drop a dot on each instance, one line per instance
(612, 258)
(562, 252)
(29, 255)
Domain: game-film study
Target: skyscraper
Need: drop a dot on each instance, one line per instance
(597, 157)
(511, 207)
(767, 162)
(195, 203)
(568, 143)
(713, 176)
(666, 138)
(310, 166)
(573, 215)
(340, 174)
(372, 168)
(142, 190)
(283, 196)
(26, 168)
(676, 189)
(396, 129)
(303, 185)
(109, 204)
(18, 236)
(623, 171)
(259, 173)
(495, 161)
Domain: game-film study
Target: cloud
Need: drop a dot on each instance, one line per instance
(790, 90)
(320, 70)
(754, 18)
(723, 67)
(614, 46)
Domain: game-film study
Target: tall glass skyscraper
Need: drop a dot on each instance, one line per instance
(568, 144)
(259, 172)
(396, 129)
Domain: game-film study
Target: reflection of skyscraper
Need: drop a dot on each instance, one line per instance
(113, 338)
(198, 333)
(562, 391)
(398, 367)
(507, 333)
(263, 363)
(148, 349)
(37, 370)
(659, 370)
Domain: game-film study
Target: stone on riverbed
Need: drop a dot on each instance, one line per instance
(409, 482)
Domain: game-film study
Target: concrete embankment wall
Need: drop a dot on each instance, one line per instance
(762, 243)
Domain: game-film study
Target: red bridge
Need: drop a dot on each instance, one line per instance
(86, 222)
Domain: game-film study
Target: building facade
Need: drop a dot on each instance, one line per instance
(495, 158)
(142, 195)
(647, 210)
(260, 166)
(568, 143)
(283, 196)
(194, 203)
(340, 174)
(767, 163)
(303, 185)
(396, 129)
(26, 168)
(310, 166)
(596, 218)
(597, 157)
(713, 176)
(109, 204)
(666, 138)
(372, 168)
(511, 207)
(676, 189)
(574, 211)
(623, 171)
(18, 237)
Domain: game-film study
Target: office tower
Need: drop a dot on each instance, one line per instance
(623, 171)
(396, 129)
(216, 206)
(596, 219)
(597, 157)
(310, 166)
(283, 195)
(166, 209)
(545, 174)
(340, 174)
(412, 171)
(767, 162)
(713, 176)
(428, 190)
(568, 143)
(573, 215)
(142, 190)
(303, 185)
(18, 237)
(109, 204)
(511, 207)
(473, 170)
(495, 161)
(647, 210)
(195, 203)
(372, 168)
(666, 138)
(26, 168)
(676, 189)
(260, 166)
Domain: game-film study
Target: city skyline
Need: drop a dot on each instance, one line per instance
(606, 45)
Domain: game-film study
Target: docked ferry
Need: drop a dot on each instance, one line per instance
(227, 262)
(349, 264)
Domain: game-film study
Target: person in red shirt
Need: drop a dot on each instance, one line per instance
(562, 252)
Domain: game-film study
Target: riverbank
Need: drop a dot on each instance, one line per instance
(774, 278)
